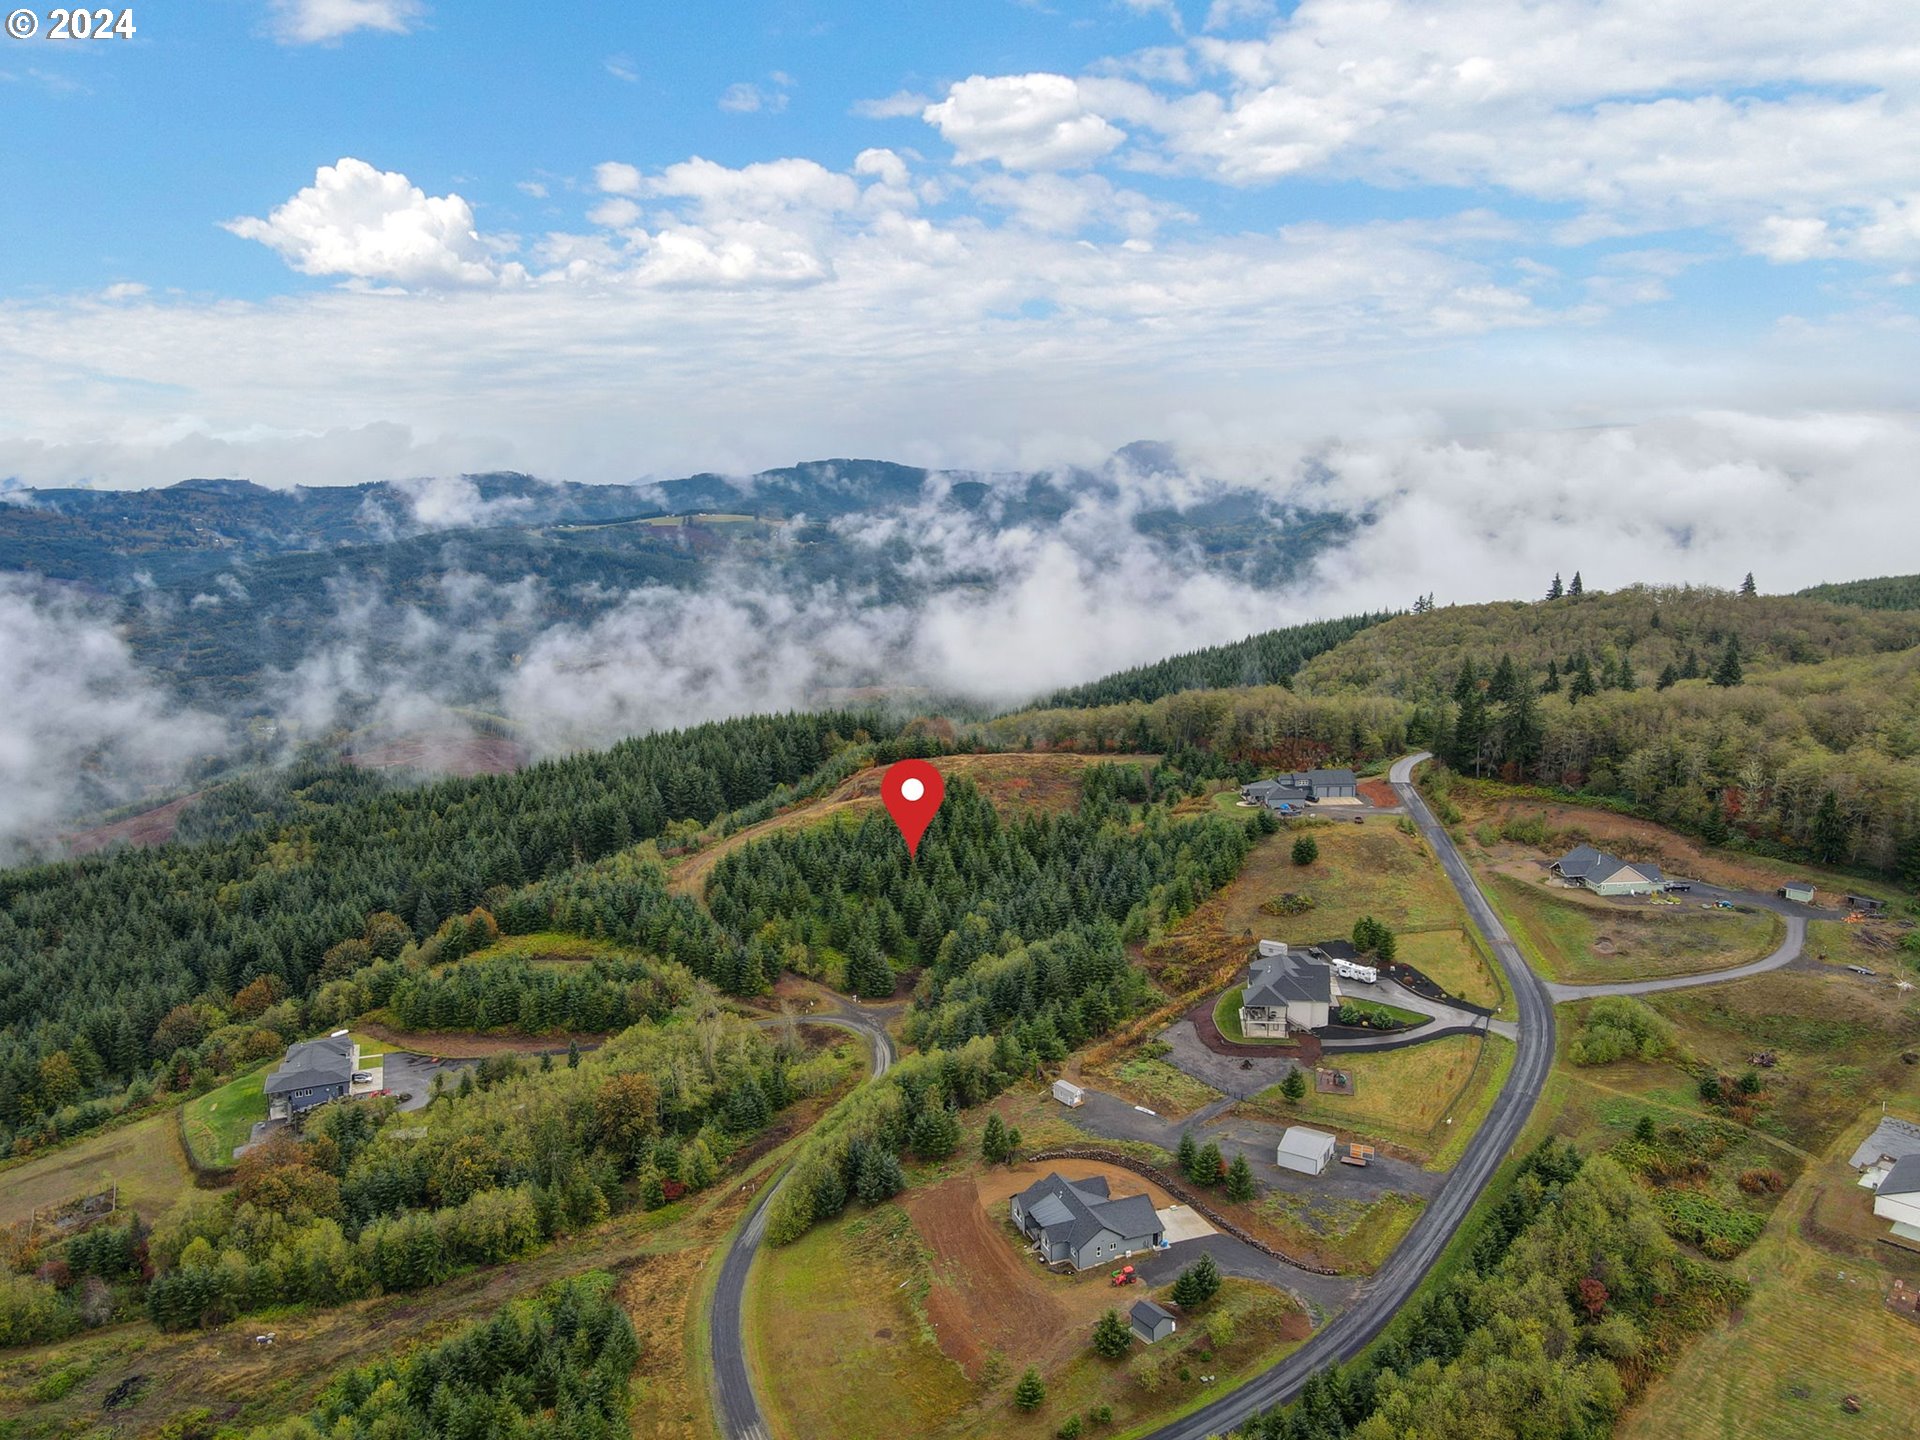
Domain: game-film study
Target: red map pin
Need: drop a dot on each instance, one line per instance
(912, 790)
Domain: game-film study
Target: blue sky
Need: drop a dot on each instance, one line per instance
(325, 240)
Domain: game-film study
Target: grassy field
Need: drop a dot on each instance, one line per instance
(144, 1158)
(221, 1119)
(1153, 1083)
(1226, 1017)
(851, 1332)
(1351, 1235)
(1404, 1098)
(1814, 1331)
(544, 948)
(1452, 960)
(1583, 940)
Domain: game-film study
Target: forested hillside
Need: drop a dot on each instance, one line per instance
(1270, 658)
(1889, 592)
(1789, 723)
(103, 960)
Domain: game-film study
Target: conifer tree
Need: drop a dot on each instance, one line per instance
(1031, 1392)
(1729, 672)
(1240, 1180)
(1551, 685)
(1747, 587)
(1294, 1087)
(1189, 1151)
(1690, 668)
(993, 1142)
(1306, 850)
(1111, 1337)
(1556, 590)
(1830, 831)
(1576, 588)
(1669, 677)
(1207, 1165)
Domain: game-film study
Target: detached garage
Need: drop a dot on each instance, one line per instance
(1308, 1151)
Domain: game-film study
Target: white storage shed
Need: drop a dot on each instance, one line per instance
(1308, 1151)
(1067, 1093)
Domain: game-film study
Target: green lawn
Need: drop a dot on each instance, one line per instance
(1226, 1016)
(1580, 941)
(221, 1119)
(142, 1158)
(1452, 960)
(1394, 1014)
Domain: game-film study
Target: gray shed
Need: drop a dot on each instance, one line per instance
(1151, 1322)
(1308, 1151)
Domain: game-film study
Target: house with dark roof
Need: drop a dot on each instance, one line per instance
(1606, 874)
(1286, 990)
(1298, 788)
(1151, 1322)
(1077, 1222)
(312, 1073)
(1898, 1199)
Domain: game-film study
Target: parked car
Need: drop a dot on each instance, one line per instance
(360, 1077)
(1680, 889)
(1861, 970)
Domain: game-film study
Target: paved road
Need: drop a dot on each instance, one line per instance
(734, 1400)
(1390, 1286)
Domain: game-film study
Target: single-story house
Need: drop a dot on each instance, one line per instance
(1898, 1199)
(1800, 891)
(1308, 1151)
(312, 1073)
(1068, 1093)
(1286, 990)
(1302, 787)
(1606, 874)
(1076, 1221)
(1892, 1140)
(1151, 1322)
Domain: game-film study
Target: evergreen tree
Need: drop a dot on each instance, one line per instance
(1240, 1180)
(1582, 685)
(1505, 683)
(1031, 1392)
(1294, 1087)
(1551, 685)
(1669, 677)
(1728, 672)
(1306, 850)
(993, 1142)
(1576, 588)
(1112, 1337)
(1690, 669)
(880, 1176)
(1521, 730)
(1830, 831)
(573, 1054)
(1188, 1152)
(1470, 728)
(1623, 676)
(1747, 587)
(1556, 590)
(1207, 1271)
(1207, 1165)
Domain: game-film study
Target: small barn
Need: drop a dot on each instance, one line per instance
(1799, 891)
(1068, 1093)
(1151, 1322)
(1308, 1151)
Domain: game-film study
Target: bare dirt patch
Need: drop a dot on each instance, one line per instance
(463, 756)
(150, 827)
(1379, 794)
(467, 1046)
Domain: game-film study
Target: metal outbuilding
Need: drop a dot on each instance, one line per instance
(1308, 1151)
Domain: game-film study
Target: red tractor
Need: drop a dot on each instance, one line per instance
(1124, 1275)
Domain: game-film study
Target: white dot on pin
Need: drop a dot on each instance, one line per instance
(912, 789)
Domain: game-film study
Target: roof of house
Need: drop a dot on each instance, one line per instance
(308, 1063)
(1799, 885)
(1075, 1211)
(1903, 1179)
(1148, 1314)
(1299, 1140)
(1288, 978)
(1583, 862)
(1891, 1140)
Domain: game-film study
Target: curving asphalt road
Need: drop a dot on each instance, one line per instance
(1377, 1299)
(734, 1401)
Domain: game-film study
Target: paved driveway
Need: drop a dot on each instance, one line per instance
(411, 1076)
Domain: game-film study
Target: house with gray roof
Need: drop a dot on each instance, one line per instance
(1897, 1198)
(1286, 990)
(1299, 788)
(1077, 1222)
(1606, 874)
(312, 1073)
(1892, 1140)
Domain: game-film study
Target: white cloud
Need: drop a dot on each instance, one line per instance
(897, 106)
(1022, 122)
(747, 98)
(616, 178)
(312, 22)
(535, 189)
(621, 67)
(374, 225)
(617, 213)
(1068, 205)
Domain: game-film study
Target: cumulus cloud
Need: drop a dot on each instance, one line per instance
(1022, 122)
(312, 22)
(748, 98)
(84, 728)
(900, 105)
(376, 225)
